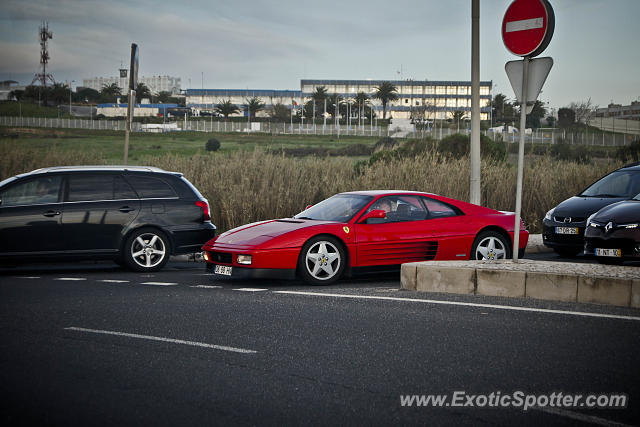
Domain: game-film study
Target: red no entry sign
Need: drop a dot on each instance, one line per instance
(527, 27)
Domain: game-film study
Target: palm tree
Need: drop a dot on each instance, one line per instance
(254, 105)
(456, 116)
(361, 102)
(163, 96)
(110, 92)
(60, 93)
(142, 91)
(386, 92)
(227, 108)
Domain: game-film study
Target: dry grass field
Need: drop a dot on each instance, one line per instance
(247, 186)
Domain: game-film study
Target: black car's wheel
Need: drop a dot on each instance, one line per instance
(567, 253)
(146, 249)
(322, 260)
(490, 245)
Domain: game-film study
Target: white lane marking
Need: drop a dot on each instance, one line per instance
(524, 24)
(206, 287)
(162, 339)
(250, 290)
(466, 304)
(113, 281)
(159, 283)
(70, 278)
(579, 416)
(27, 277)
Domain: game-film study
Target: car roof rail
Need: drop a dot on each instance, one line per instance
(99, 168)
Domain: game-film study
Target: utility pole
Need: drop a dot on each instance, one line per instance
(475, 187)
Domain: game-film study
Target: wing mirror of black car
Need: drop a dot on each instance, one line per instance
(376, 213)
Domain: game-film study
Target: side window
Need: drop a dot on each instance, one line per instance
(438, 209)
(151, 187)
(398, 209)
(89, 187)
(33, 192)
(122, 190)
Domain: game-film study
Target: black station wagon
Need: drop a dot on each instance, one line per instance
(137, 216)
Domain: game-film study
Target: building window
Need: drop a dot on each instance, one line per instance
(451, 90)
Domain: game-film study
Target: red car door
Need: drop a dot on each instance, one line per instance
(405, 235)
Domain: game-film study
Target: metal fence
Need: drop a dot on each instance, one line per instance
(549, 136)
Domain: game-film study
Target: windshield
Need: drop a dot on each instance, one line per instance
(340, 208)
(617, 184)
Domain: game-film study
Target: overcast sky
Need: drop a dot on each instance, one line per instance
(273, 44)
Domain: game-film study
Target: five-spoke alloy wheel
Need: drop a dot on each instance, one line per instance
(146, 250)
(322, 260)
(490, 246)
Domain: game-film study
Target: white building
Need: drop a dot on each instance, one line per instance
(156, 84)
(416, 99)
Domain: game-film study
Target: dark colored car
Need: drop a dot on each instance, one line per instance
(563, 226)
(613, 233)
(137, 216)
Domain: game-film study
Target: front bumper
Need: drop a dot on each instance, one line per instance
(253, 273)
(627, 241)
(552, 239)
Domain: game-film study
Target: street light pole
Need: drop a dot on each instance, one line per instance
(70, 91)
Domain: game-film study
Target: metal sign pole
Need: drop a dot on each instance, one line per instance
(130, 108)
(523, 124)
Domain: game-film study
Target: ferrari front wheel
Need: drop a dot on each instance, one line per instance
(322, 260)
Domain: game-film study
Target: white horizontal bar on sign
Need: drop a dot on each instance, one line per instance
(525, 24)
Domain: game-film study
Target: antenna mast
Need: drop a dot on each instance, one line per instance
(43, 76)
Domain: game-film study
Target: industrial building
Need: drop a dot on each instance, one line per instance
(416, 98)
(156, 84)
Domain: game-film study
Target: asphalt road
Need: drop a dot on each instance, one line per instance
(95, 344)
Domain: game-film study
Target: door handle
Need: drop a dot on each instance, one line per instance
(126, 209)
(51, 213)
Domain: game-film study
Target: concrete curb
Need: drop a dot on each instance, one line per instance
(554, 281)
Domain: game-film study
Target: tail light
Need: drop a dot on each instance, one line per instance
(205, 209)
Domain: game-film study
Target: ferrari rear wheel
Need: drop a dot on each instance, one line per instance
(322, 260)
(490, 246)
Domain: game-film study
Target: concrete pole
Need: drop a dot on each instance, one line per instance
(523, 125)
(475, 188)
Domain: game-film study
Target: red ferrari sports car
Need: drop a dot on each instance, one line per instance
(363, 231)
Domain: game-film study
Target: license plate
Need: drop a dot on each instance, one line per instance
(566, 230)
(609, 252)
(223, 269)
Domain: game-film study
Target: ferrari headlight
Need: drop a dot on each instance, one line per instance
(548, 215)
(631, 225)
(243, 259)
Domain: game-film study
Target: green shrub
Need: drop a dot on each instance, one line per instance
(629, 153)
(458, 145)
(212, 145)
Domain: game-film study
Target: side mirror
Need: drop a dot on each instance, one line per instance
(376, 213)
(308, 206)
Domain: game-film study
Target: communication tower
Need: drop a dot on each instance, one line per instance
(43, 76)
